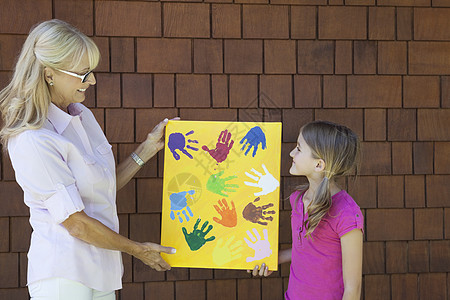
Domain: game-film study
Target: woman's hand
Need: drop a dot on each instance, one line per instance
(149, 254)
(264, 271)
(154, 141)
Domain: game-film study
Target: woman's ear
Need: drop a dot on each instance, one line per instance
(48, 74)
(320, 165)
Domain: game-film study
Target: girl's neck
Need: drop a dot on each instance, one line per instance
(313, 186)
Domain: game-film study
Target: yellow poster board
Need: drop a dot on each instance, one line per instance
(221, 194)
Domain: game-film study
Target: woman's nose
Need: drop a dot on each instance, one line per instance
(91, 79)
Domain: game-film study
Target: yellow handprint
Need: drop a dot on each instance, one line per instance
(224, 253)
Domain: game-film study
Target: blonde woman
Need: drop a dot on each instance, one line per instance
(65, 166)
(327, 224)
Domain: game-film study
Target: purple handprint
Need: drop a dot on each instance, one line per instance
(177, 141)
(223, 147)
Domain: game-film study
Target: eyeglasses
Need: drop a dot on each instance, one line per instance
(83, 78)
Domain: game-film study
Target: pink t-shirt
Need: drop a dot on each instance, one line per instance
(316, 264)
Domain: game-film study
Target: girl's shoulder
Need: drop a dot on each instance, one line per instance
(295, 197)
(342, 201)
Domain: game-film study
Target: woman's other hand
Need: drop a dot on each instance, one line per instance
(149, 254)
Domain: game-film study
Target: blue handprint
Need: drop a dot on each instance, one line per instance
(253, 138)
(178, 202)
(178, 141)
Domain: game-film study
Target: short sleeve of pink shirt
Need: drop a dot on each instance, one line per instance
(316, 265)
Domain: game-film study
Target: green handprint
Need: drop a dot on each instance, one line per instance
(196, 239)
(218, 186)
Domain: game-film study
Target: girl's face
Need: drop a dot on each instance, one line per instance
(303, 161)
(69, 89)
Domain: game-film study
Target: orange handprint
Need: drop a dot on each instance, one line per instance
(229, 217)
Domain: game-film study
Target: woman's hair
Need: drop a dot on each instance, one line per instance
(339, 148)
(24, 102)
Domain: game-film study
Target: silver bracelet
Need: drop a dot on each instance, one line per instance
(137, 159)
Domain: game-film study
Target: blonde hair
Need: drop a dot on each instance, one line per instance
(339, 148)
(25, 100)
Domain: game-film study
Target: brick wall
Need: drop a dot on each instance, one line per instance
(381, 67)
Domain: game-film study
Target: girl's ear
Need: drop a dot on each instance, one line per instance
(320, 165)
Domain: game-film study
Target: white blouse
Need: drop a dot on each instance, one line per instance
(65, 167)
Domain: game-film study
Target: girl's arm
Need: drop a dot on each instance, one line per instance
(351, 246)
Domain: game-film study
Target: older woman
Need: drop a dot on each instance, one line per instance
(65, 166)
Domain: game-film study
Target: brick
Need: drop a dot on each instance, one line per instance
(90, 94)
(160, 290)
(352, 118)
(418, 256)
(126, 198)
(359, 2)
(191, 289)
(432, 124)
(374, 258)
(219, 86)
(279, 57)
(136, 18)
(147, 119)
(208, 56)
(414, 191)
(123, 229)
(421, 91)
(99, 114)
(10, 47)
(20, 234)
(293, 120)
(178, 274)
(229, 274)
(253, 1)
(315, 57)
(221, 289)
(307, 91)
(430, 286)
(404, 2)
(303, 22)
(440, 3)
(379, 224)
(163, 90)
(423, 157)
(381, 23)
(278, 91)
(209, 114)
(124, 132)
(164, 55)
(374, 91)
(437, 190)
(404, 119)
(122, 55)
(149, 195)
(151, 223)
(132, 291)
(23, 266)
(343, 57)
(243, 91)
(364, 190)
(447, 223)
(8, 171)
(108, 90)
(248, 288)
(19, 17)
(103, 46)
(342, 22)
(193, 91)
(11, 200)
(376, 287)
(428, 224)
(197, 274)
(128, 268)
(186, 20)
(404, 23)
(404, 286)
(336, 2)
(243, 56)
(374, 124)
(143, 273)
(264, 21)
(365, 57)
(250, 115)
(10, 262)
(376, 158)
(445, 86)
(396, 257)
(77, 13)
(299, 2)
(334, 91)
(402, 161)
(272, 288)
(441, 158)
(390, 191)
(226, 21)
(429, 22)
(4, 234)
(392, 58)
(17, 293)
(429, 58)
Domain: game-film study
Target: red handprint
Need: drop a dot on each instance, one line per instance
(229, 217)
(223, 147)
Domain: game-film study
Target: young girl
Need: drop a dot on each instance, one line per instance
(327, 224)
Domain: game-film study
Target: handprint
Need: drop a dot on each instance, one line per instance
(223, 254)
(218, 186)
(253, 138)
(261, 247)
(229, 217)
(223, 147)
(196, 239)
(266, 182)
(177, 141)
(178, 202)
(255, 214)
